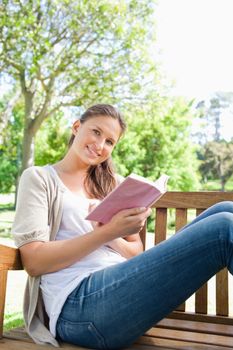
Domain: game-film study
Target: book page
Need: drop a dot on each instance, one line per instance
(161, 183)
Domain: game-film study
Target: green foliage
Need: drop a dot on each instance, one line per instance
(158, 141)
(74, 53)
(10, 149)
(88, 47)
(217, 162)
(52, 140)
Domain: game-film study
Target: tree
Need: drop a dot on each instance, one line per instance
(215, 152)
(217, 162)
(73, 53)
(158, 141)
(210, 113)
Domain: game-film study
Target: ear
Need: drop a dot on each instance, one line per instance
(75, 127)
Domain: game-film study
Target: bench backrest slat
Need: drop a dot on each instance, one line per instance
(181, 218)
(201, 296)
(160, 225)
(3, 281)
(222, 303)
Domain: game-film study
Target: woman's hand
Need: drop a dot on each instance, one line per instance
(128, 222)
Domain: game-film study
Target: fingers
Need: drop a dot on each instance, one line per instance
(144, 215)
(130, 221)
(135, 211)
(139, 219)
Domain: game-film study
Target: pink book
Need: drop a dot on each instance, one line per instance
(133, 192)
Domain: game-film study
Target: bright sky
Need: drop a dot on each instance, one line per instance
(195, 38)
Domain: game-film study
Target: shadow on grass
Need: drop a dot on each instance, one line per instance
(6, 206)
(13, 321)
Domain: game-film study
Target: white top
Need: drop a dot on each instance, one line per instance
(63, 282)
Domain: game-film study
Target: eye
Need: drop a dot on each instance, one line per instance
(97, 132)
(109, 142)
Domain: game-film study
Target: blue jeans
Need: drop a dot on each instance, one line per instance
(113, 307)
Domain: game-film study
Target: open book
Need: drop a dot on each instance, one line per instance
(133, 192)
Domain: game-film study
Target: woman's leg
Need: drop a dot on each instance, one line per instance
(225, 206)
(114, 306)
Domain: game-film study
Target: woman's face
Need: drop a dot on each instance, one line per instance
(95, 139)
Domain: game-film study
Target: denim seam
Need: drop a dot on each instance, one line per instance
(113, 285)
(93, 329)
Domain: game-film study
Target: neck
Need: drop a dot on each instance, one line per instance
(71, 166)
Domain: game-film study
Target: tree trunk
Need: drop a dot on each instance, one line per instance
(27, 156)
(28, 149)
(222, 184)
(32, 124)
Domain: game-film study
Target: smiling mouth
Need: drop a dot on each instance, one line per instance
(93, 153)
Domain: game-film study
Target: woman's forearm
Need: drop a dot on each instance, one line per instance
(45, 257)
(126, 248)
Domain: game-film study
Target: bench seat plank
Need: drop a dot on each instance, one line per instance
(194, 326)
(15, 344)
(171, 344)
(190, 336)
(6, 344)
(203, 338)
(18, 339)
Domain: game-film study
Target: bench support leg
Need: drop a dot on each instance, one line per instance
(3, 281)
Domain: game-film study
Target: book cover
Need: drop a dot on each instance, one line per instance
(133, 192)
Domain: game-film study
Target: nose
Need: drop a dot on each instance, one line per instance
(100, 144)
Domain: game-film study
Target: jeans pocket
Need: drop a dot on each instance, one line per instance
(80, 333)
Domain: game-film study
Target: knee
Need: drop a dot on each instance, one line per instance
(225, 206)
(225, 222)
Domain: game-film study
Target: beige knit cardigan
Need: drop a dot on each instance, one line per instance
(37, 218)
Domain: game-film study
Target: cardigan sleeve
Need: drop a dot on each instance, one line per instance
(31, 217)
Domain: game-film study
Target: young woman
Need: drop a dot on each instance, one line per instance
(93, 285)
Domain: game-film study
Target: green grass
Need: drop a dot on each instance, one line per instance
(13, 320)
(216, 186)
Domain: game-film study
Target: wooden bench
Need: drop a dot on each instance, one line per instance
(182, 329)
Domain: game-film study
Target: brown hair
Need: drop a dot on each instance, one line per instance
(100, 179)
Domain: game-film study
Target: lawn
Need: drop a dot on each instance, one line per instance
(6, 214)
(13, 320)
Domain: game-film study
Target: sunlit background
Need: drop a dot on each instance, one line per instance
(196, 52)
